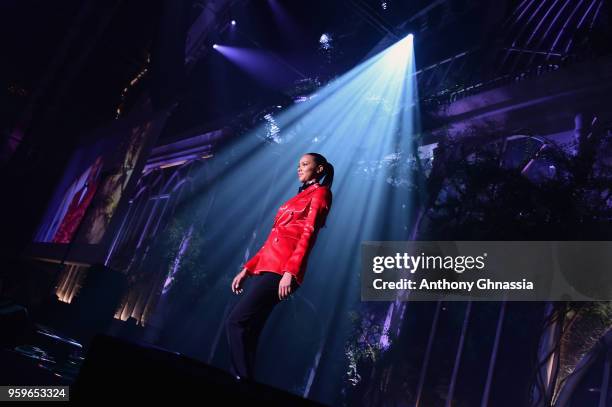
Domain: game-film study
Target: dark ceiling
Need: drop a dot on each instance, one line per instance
(68, 63)
(72, 59)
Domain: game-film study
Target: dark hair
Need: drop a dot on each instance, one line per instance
(328, 169)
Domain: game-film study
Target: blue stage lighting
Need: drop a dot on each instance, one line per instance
(365, 122)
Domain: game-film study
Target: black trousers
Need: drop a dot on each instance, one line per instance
(247, 319)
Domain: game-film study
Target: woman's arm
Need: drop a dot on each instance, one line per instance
(237, 281)
(319, 207)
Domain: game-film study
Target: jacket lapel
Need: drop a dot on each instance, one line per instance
(302, 195)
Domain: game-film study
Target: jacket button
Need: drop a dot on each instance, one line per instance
(276, 239)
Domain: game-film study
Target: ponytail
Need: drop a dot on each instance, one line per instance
(328, 172)
(328, 169)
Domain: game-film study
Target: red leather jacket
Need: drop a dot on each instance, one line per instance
(293, 233)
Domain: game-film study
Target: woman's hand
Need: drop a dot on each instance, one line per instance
(237, 282)
(284, 286)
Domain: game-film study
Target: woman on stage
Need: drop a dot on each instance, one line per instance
(278, 268)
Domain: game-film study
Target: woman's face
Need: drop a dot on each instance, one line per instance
(308, 169)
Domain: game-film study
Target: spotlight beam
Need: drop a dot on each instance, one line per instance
(274, 55)
(365, 123)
